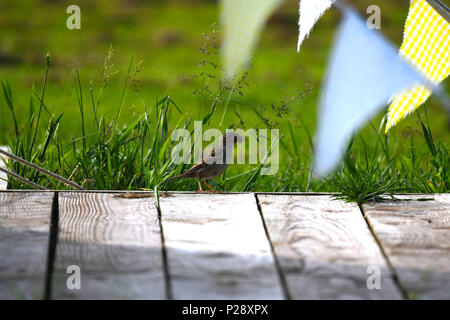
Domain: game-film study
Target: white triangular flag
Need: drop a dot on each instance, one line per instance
(242, 21)
(364, 72)
(309, 12)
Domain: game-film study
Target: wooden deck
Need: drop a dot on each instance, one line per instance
(222, 246)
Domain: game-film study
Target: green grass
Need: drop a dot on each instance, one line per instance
(380, 173)
(106, 122)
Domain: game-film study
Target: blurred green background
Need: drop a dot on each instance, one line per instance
(166, 35)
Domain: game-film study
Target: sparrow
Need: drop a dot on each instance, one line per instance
(213, 165)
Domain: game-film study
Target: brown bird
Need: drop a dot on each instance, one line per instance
(215, 164)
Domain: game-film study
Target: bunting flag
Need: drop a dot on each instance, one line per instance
(242, 21)
(309, 12)
(364, 71)
(426, 45)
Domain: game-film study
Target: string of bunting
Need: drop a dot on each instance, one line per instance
(361, 80)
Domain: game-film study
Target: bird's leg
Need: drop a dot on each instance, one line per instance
(212, 189)
(199, 185)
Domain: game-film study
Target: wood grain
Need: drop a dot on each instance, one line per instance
(217, 248)
(24, 235)
(115, 241)
(324, 248)
(416, 237)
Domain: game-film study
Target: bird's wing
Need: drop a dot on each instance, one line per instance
(194, 170)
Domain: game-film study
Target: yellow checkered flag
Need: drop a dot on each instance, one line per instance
(242, 21)
(426, 45)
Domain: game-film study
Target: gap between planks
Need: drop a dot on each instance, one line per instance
(52, 245)
(414, 232)
(217, 248)
(165, 261)
(281, 276)
(115, 242)
(394, 273)
(324, 248)
(24, 238)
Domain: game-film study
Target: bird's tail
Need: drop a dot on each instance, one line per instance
(172, 178)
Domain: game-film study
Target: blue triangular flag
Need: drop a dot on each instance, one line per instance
(364, 72)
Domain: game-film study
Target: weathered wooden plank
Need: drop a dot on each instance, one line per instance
(116, 243)
(325, 249)
(24, 235)
(217, 248)
(416, 237)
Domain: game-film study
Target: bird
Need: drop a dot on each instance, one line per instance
(213, 165)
